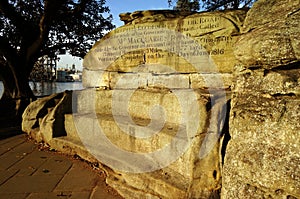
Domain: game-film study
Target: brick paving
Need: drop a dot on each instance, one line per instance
(30, 173)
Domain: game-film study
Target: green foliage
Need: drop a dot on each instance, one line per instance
(52, 26)
(30, 29)
(187, 5)
(210, 5)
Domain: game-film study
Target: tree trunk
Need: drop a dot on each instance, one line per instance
(17, 92)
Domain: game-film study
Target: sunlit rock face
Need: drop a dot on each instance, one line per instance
(143, 40)
(263, 156)
(161, 57)
(187, 105)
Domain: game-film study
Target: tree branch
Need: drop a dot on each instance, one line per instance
(58, 46)
(218, 5)
(9, 53)
(50, 11)
(247, 3)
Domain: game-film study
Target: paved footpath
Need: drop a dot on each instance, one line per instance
(27, 172)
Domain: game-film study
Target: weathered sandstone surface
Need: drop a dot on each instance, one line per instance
(228, 85)
(263, 156)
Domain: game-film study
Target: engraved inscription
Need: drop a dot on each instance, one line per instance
(212, 33)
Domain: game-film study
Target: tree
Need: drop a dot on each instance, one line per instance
(211, 5)
(30, 29)
(187, 5)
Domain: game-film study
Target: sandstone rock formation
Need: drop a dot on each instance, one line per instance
(270, 35)
(149, 56)
(191, 64)
(43, 119)
(263, 156)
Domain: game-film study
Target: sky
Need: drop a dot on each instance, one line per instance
(117, 7)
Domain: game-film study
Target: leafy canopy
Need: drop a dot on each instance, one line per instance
(209, 5)
(53, 26)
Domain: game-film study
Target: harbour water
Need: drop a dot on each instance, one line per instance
(1, 89)
(47, 88)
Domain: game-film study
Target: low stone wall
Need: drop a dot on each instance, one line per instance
(190, 65)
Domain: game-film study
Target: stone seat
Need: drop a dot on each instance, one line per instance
(177, 178)
(181, 178)
(115, 131)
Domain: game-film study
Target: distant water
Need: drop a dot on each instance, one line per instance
(1, 89)
(47, 88)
